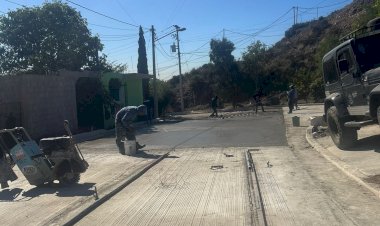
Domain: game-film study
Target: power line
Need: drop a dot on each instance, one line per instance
(176, 9)
(126, 12)
(168, 67)
(15, 3)
(113, 28)
(115, 39)
(118, 35)
(166, 53)
(101, 14)
(326, 6)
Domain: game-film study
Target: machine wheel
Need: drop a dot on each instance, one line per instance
(69, 178)
(378, 115)
(343, 137)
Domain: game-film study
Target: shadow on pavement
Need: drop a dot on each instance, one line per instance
(69, 191)
(8, 195)
(368, 143)
(147, 130)
(145, 155)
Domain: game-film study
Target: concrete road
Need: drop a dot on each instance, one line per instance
(240, 130)
(292, 185)
(204, 181)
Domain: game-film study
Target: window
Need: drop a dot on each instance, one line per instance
(330, 72)
(114, 88)
(346, 55)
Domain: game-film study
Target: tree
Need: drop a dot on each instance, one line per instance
(221, 52)
(47, 38)
(254, 60)
(142, 64)
(228, 77)
(165, 96)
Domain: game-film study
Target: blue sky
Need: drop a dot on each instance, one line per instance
(241, 21)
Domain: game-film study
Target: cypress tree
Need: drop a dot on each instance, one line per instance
(142, 64)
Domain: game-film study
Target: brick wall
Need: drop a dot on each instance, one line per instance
(44, 101)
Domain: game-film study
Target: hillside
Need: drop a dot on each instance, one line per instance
(299, 53)
(295, 59)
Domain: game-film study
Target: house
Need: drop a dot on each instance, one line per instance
(125, 90)
(40, 103)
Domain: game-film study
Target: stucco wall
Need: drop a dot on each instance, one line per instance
(45, 101)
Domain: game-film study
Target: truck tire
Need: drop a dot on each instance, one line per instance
(378, 115)
(343, 137)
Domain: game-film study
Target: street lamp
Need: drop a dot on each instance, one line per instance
(178, 29)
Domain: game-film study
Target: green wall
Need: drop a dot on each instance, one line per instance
(131, 92)
(134, 89)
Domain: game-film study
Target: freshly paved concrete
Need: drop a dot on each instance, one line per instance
(174, 193)
(298, 185)
(22, 202)
(243, 129)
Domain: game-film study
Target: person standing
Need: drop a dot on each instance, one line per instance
(257, 99)
(291, 98)
(123, 125)
(214, 105)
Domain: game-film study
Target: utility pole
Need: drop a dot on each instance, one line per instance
(154, 73)
(177, 28)
(295, 15)
(317, 13)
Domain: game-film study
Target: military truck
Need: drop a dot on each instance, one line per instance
(351, 73)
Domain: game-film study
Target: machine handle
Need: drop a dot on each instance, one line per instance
(66, 124)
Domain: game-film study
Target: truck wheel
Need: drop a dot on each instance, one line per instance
(343, 137)
(69, 178)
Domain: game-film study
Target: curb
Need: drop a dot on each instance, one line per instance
(353, 173)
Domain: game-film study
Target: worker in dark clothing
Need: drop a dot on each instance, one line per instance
(123, 125)
(257, 99)
(291, 98)
(214, 105)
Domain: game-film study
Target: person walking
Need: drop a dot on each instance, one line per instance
(291, 99)
(214, 105)
(257, 99)
(123, 125)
